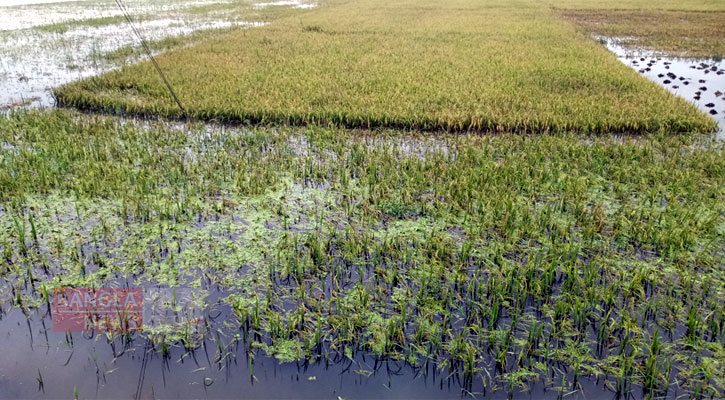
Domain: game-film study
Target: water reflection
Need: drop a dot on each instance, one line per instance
(699, 81)
(41, 363)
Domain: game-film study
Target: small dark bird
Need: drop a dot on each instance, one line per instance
(709, 105)
(704, 89)
(666, 81)
(713, 112)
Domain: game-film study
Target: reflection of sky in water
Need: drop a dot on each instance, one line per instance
(11, 3)
(293, 3)
(43, 13)
(33, 61)
(699, 81)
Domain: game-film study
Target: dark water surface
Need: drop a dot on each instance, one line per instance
(32, 352)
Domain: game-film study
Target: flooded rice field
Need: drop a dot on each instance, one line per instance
(319, 262)
(21, 14)
(41, 363)
(699, 81)
(47, 44)
(322, 263)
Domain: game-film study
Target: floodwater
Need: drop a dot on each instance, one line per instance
(28, 71)
(33, 352)
(292, 3)
(41, 363)
(23, 14)
(34, 59)
(12, 3)
(699, 81)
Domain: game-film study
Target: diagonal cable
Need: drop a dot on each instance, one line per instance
(122, 6)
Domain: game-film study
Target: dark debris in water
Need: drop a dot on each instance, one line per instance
(676, 74)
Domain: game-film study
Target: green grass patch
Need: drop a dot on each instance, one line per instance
(453, 66)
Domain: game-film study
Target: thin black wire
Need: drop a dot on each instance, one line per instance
(146, 48)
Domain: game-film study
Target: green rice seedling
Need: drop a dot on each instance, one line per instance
(693, 324)
(41, 385)
(652, 365)
(20, 231)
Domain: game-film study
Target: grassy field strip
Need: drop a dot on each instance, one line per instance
(455, 66)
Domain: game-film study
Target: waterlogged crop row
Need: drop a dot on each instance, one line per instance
(506, 262)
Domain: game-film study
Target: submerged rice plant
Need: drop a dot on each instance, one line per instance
(500, 262)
